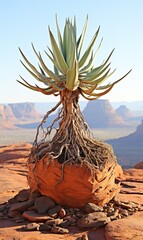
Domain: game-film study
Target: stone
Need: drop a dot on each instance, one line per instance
(13, 214)
(54, 209)
(64, 224)
(23, 195)
(91, 220)
(62, 212)
(36, 217)
(1, 214)
(84, 237)
(91, 207)
(43, 203)
(59, 230)
(95, 215)
(21, 206)
(56, 221)
(124, 212)
(44, 227)
(89, 223)
(31, 227)
(70, 218)
(114, 215)
(2, 207)
(34, 195)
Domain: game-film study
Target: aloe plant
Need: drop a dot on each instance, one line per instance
(74, 74)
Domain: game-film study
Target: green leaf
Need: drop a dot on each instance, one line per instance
(89, 49)
(59, 36)
(52, 75)
(53, 60)
(72, 81)
(81, 39)
(89, 65)
(94, 78)
(70, 54)
(57, 54)
(98, 69)
(30, 65)
(40, 79)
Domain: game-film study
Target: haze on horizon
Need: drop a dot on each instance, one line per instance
(23, 22)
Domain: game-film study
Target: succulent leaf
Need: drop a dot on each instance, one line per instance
(71, 70)
(72, 81)
(89, 49)
(81, 39)
(57, 54)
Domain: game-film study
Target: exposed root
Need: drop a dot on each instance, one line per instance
(72, 141)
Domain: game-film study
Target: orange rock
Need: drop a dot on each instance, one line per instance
(73, 185)
(128, 228)
(139, 165)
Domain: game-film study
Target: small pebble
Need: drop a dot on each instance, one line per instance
(59, 230)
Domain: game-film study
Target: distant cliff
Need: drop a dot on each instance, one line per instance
(129, 149)
(24, 110)
(6, 117)
(12, 114)
(124, 112)
(100, 114)
(6, 112)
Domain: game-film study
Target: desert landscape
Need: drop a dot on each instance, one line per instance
(17, 133)
(13, 176)
(111, 122)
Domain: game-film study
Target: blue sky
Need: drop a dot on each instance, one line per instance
(24, 21)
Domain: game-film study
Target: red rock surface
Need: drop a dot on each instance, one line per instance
(126, 229)
(139, 165)
(13, 174)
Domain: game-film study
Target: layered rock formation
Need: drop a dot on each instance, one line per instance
(6, 117)
(124, 112)
(24, 110)
(100, 114)
(129, 147)
(13, 114)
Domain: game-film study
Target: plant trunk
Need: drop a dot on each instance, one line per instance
(73, 168)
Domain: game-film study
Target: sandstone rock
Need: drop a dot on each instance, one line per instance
(21, 206)
(2, 207)
(13, 214)
(91, 220)
(85, 223)
(45, 177)
(64, 224)
(113, 215)
(23, 195)
(62, 213)
(134, 174)
(96, 215)
(91, 207)
(132, 187)
(139, 165)
(127, 228)
(1, 214)
(36, 217)
(42, 204)
(84, 237)
(56, 221)
(31, 226)
(44, 227)
(124, 212)
(54, 210)
(59, 230)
